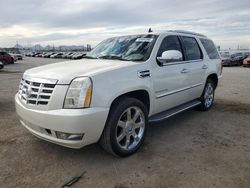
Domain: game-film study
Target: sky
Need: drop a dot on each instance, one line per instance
(78, 22)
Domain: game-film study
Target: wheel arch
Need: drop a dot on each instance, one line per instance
(214, 78)
(141, 95)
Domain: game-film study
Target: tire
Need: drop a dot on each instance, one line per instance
(12, 61)
(207, 97)
(124, 134)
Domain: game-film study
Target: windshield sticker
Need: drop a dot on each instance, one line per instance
(144, 40)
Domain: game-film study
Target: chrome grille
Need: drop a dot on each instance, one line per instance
(36, 93)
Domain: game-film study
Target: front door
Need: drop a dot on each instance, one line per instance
(170, 81)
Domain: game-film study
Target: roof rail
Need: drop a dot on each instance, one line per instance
(186, 32)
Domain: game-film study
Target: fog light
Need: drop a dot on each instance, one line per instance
(68, 136)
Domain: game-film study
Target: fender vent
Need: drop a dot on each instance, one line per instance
(143, 74)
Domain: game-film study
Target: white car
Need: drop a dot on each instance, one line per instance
(112, 94)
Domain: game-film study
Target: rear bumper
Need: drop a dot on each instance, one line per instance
(89, 122)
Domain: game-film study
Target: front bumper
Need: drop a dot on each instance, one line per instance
(90, 122)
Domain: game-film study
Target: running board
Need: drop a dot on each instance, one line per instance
(176, 110)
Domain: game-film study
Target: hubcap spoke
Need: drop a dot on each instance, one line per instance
(128, 114)
(139, 125)
(121, 136)
(127, 141)
(137, 114)
(121, 124)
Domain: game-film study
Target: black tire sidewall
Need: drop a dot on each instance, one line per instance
(116, 113)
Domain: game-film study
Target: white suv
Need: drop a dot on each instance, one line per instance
(118, 88)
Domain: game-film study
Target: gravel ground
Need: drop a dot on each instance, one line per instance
(192, 149)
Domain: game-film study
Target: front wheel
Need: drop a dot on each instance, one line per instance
(125, 128)
(207, 97)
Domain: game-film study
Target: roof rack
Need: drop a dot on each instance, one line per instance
(187, 32)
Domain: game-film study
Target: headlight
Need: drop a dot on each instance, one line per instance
(79, 93)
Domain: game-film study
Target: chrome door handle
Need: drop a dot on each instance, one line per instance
(204, 67)
(184, 70)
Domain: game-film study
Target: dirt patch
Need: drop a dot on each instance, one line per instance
(231, 106)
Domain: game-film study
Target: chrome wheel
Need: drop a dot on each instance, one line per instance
(130, 128)
(209, 95)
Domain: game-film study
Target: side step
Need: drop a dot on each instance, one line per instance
(168, 113)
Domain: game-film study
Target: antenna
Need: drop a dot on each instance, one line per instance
(150, 30)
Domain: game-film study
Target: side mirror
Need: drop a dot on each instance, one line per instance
(170, 56)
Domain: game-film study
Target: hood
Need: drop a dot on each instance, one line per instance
(64, 72)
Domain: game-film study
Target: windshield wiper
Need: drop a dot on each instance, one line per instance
(112, 57)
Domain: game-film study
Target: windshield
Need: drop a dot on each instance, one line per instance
(127, 48)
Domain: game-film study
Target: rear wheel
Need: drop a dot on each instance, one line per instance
(12, 61)
(207, 97)
(125, 128)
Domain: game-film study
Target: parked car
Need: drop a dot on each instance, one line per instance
(40, 54)
(225, 58)
(1, 65)
(6, 58)
(79, 55)
(237, 59)
(47, 55)
(59, 55)
(14, 57)
(246, 62)
(19, 56)
(36, 54)
(71, 55)
(54, 55)
(66, 54)
(111, 95)
(29, 54)
(233, 60)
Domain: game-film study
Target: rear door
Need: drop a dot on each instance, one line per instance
(196, 66)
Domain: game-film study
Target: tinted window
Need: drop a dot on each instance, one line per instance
(169, 43)
(192, 48)
(210, 49)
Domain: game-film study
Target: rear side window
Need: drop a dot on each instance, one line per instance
(192, 49)
(210, 49)
(170, 43)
